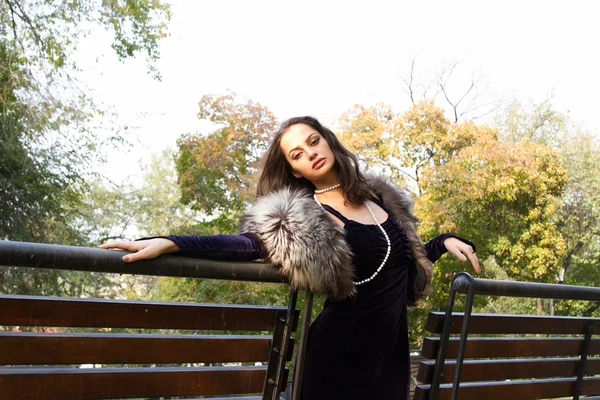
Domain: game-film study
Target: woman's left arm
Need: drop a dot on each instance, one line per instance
(463, 249)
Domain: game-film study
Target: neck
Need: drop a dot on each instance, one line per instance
(332, 196)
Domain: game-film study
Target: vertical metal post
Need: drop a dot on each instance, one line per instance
(442, 350)
(279, 345)
(301, 353)
(585, 347)
(463, 339)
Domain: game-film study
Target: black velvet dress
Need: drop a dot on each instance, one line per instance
(358, 348)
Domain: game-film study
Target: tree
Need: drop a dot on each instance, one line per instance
(406, 145)
(160, 210)
(577, 215)
(505, 195)
(49, 31)
(218, 170)
(36, 185)
(47, 141)
(426, 139)
(539, 123)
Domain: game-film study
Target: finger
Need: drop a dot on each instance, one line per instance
(106, 245)
(133, 256)
(138, 255)
(120, 245)
(458, 253)
(143, 254)
(475, 262)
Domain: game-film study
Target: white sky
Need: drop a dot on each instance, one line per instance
(321, 57)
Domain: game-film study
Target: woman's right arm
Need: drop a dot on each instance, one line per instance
(243, 247)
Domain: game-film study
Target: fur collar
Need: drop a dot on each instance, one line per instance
(309, 249)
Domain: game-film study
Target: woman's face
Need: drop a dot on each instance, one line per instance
(308, 153)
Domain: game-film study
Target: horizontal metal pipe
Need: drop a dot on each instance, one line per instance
(492, 287)
(50, 256)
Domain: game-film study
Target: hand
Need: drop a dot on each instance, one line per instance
(143, 249)
(462, 251)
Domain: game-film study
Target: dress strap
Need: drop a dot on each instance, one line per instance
(336, 213)
(344, 219)
(380, 204)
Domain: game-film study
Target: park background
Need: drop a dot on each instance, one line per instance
(130, 118)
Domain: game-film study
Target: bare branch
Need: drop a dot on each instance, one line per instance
(443, 89)
(448, 72)
(442, 82)
(14, 23)
(409, 85)
(428, 88)
(29, 22)
(467, 92)
(414, 178)
(496, 106)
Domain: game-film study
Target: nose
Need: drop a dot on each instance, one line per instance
(312, 154)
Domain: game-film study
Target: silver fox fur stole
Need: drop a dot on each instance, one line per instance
(310, 250)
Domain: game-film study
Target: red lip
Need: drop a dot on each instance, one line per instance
(318, 162)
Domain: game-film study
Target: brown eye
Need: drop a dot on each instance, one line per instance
(315, 141)
(296, 156)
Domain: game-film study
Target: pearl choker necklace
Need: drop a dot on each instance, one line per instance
(328, 189)
(387, 238)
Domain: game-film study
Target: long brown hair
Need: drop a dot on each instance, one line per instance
(277, 172)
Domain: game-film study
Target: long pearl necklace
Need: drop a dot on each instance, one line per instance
(387, 238)
(387, 254)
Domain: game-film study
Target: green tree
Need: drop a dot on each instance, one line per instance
(217, 173)
(505, 195)
(577, 215)
(48, 32)
(218, 170)
(47, 141)
(537, 122)
(36, 185)
(159, 207)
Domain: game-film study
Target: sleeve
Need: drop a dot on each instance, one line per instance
(435, 247)
(242, 247)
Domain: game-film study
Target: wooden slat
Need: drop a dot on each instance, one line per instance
(521, 390)
(511, 347)
(64, 348)
(512, 324)
(492, 370)
(230, 398)
(90, 384)
(66, 312)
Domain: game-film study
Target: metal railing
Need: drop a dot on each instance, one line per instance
(49, 256)
(464, 283)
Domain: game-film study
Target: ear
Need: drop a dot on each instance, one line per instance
(297, 175)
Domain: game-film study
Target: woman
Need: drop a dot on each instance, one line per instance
(339, 233)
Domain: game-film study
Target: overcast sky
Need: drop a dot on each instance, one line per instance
(321, 57)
